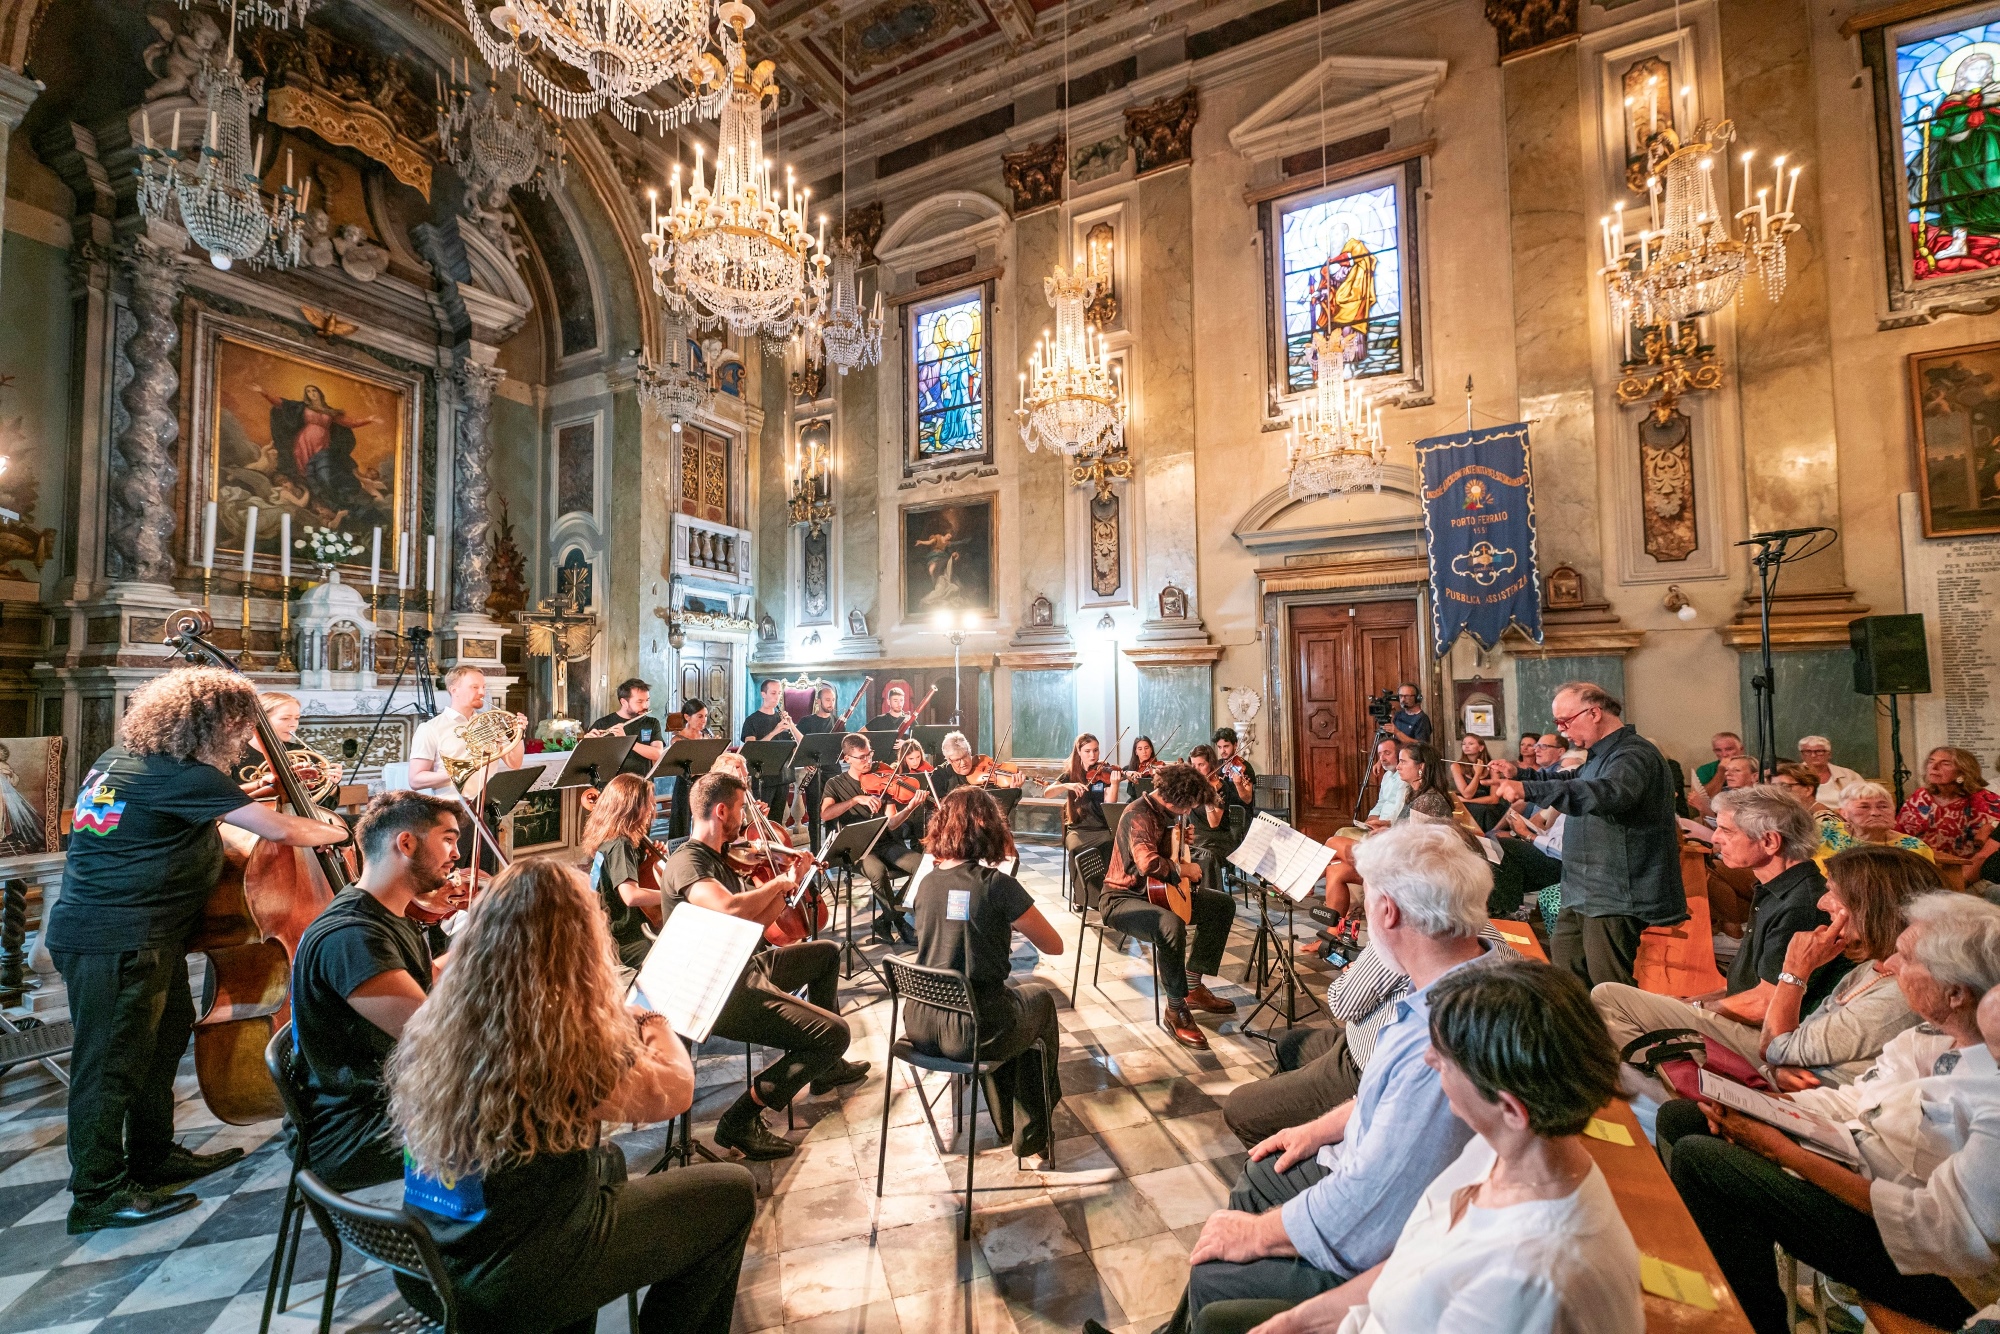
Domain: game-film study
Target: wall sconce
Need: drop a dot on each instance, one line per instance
(812, 478)
(671, 614)
(1677, 603)
(1100, 247)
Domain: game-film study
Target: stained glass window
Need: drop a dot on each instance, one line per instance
(1948, 90)
(949, 368)
(1340, 273)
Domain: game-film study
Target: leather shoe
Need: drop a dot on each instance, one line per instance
(127, 1208)
(1180, 1022)
(181, 1166)
(1201, 998)
(847, 1072)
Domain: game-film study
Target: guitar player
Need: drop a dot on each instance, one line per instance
(1135, 901)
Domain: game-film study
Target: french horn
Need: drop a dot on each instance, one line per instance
(487, 735)
(320, 775)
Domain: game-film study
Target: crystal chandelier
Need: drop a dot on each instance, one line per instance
(498, 142)
(213, 191)
(1336, 439)
(1685, 263)
(277, 13)
(738, 252)
(1069, 396)
(850, 336)
(674, 386)
(625, 48)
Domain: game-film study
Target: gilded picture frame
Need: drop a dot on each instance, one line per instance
(1955, 436)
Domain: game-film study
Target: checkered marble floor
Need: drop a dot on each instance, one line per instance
(1143, 1157)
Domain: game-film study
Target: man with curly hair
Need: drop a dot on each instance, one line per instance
(144, 856)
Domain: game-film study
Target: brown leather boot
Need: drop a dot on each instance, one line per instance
(1201, 998)
(1180, 1022)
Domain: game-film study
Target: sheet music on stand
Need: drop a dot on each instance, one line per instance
(550, 762)
(1279, 854)
(693, 967)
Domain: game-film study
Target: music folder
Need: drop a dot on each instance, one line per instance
(596, 761)
(693, 966)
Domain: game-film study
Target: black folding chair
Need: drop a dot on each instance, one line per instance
(286, 1069)
(392, 1237)
(943, 989)
(1090, 864)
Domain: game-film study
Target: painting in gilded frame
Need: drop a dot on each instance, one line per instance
(30, 795)
(292, 429)
(1956, 396)
(948, 557)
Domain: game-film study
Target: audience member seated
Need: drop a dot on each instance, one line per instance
(966, 915)
(1708, 777)
(615, 839)
(500, 1088)
(1867, 818)
(1954, 811)
(1867, 890)
(1530, 853)
(1524, 750)
(1393, 791)
(363, 968)
(1803, 787)
(1323, 1202)
(1426, 789)
(1816, 754)
(1886, 1230)
(1765, 831)
(1521, 1233)
(1469, 777)
(1319, 1066)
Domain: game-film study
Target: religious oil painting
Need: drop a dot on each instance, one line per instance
(948, 377)
(1340, 280)
(1948, 88)
(294, 433)
(30, 794)
(1956, 392)
(948, 557)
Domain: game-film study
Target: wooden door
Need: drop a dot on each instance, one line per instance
(705, 675)
(1343, 654)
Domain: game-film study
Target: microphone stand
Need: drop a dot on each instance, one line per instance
(1774, 550)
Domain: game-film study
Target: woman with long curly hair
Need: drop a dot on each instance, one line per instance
(500, 1088)
(616, 841)
(144, 856)
(1953, 810)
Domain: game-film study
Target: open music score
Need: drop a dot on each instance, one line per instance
(1280, 855)
(693, 967)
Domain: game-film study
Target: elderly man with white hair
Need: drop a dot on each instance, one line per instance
(1322, 1202)
(1816, 754)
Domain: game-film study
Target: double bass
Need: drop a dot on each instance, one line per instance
(250, 927)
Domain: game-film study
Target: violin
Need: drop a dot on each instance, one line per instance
(440, 905)
(893, 785)
(1100, 772)
(767, 856)
(985, 771)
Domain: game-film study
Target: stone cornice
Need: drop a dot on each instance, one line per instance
(1196, 654)
(1039, 660)
(1805, 620)
(1332, 576)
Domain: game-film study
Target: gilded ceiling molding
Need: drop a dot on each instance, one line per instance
(1529, 25)
(1162, 133)
(1035, 174)
(356, 125)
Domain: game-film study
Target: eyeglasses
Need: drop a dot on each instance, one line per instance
(1565, 722)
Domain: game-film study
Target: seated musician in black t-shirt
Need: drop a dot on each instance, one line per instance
(1209, 830)
(1138, 857)
(966, 917)
(895, 711)
(362, 969)
(635, 698)
(843, 801)
(616, 841)
(810, 1035)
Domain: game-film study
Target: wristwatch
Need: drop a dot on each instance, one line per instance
(1791, 979)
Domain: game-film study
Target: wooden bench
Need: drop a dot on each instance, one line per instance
(1661, 1225)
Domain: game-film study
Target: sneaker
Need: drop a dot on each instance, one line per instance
(181, 1166)
(847, 1072)
(1201, 998)
(127, 1208)
(750, 1137)
(1180, 1022)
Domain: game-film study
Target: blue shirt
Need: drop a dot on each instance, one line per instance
(1402, 1134)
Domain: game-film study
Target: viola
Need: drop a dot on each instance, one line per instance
(985, 771)
(438, 906)
(891, 784)
(766, 856)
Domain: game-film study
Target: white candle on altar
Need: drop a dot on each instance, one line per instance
(249, 540)
(285, 545)
(402, 560)
(208, 536)
(375, 562)
(430, 561)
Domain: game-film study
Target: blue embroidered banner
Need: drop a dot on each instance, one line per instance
(1479, 522)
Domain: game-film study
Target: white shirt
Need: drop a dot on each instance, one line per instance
(1950, 1225)
(1565, 1266)
(1914, 1107)
(1550, 840)
(1838, 779)
(1389, 800)
(437, 738)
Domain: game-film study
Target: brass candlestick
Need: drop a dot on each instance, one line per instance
(206, 576)
(285, 663)
(430, 613)
(402, 644)
(246, 660)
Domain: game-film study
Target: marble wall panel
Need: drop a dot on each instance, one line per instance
(1044, 711)
(1814, 695)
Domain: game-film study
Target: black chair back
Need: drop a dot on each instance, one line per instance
(939, 988)
(391, 1237)
(287, 1069)
(1091, 863)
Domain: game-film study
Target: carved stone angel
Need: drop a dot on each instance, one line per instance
(177, 59)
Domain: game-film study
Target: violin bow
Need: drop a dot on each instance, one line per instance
(1161, 753)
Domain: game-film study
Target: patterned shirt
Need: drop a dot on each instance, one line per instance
(1954, 826)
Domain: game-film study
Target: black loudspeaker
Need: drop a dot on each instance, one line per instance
(1890, 657)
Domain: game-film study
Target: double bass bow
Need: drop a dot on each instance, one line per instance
(250, 927)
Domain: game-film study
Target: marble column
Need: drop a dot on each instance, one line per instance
(17, 91)
(139, 528)
(472, 580)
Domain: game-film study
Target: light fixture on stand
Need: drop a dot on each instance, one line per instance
(496, 140)
(674, 386)
(737, 251)
(213, 192)
(1335, 443)
(624, 49)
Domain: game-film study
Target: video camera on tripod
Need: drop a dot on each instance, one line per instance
(1382, 708)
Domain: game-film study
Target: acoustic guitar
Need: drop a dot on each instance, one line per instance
(1176, 895)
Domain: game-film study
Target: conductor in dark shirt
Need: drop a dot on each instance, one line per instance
(635, 697)
(145, 853)
(1621, 845)
(363, 968)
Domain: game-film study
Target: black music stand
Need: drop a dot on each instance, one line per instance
(690, 758)
(1006, 798)
(821, 751)
(884, 744)
(767, 759)
(933, 735)
(596, 761)
(844, 854)
(503, 793)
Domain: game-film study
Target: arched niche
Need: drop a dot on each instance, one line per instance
(1281, 525)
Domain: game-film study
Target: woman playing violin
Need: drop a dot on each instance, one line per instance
(861, 792)
(622, 859)
(1144, 758)
(1085, 782)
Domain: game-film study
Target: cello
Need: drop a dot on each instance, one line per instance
(250, 927)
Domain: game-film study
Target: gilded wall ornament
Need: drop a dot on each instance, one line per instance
(1523, 25)
(1162, 133)
(1035, 174)
(1666, 480)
